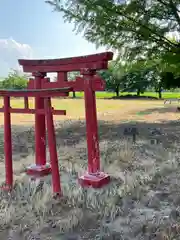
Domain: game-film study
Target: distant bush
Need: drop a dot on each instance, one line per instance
(14, 81)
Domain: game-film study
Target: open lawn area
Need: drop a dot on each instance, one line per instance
(151, 94)
(108, 109)
(142, 200)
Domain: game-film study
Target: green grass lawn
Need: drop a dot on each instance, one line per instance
(164, 94)
(152, 94)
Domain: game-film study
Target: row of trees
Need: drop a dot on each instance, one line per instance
(134, 78)
(119, 78)
(144, 34)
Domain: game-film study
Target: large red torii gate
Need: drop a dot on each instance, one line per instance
(89, 82)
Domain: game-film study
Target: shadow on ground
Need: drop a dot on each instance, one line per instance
(133, 97)
(172, 109)
(70, 133)
(140, 201)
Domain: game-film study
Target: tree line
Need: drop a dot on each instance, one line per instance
(144, 34)
(119, 78)
(128, 78)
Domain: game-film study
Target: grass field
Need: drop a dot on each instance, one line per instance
(106, 108)
(152, 94)
(142, 200)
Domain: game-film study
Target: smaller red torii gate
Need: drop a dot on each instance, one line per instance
(42, 89)
(48, 112)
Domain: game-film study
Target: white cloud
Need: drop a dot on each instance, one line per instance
(10, 52)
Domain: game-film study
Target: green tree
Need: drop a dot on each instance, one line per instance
(134, 28)
(160, 75)
(137, 81)
(152, 71)
(126, 78)
(14, 81)
(1, 84)
(114, 76)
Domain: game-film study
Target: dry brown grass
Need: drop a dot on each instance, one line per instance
(107, 110)
(30, 209)
(141, 202)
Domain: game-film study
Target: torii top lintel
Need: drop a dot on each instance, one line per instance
(95, 61)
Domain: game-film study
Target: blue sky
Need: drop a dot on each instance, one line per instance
(30, 29)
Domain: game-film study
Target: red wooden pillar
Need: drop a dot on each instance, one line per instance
(52, 148)
(8, 144)
(40, 168)
(26, 102)
(40, 130)
(94, 177)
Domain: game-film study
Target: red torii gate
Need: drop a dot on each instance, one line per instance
(89, 83)
(46, 94)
